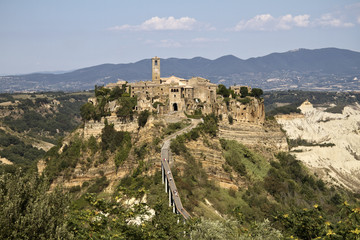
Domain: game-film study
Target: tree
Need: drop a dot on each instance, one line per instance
(29, 211)
(101, 91)
(257, 92)
(210, 124)
(213, 229)
(231, 119)
(87, 111)
(126, 108)
(143, 117)
(223, 91)
(244, 91)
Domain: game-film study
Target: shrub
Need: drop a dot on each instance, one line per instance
(244, 92)
(143, 117)
(210, 125)
(223, 91)
(126, 109)
(245, 100)
(29, 210)
(74, 189)
(112, 139)
(257, 92)
(122, 154)
(155, 104)
(99, 185)
(92, 143)
(231, 120)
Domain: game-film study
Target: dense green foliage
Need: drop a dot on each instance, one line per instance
(291, 108)
(112, 218)
(65, 161)
(118, 141)
(223, 91)
(16, 151)
(257, 92)
(112, 139)
(277, 188)
(301, 142)
(42, 117)
(244, 92)
(230, 119)
(244, 161)
(87, 111)
(209, 126)
(103, 97)
(143, 117)
(127, 104)
(28, 211)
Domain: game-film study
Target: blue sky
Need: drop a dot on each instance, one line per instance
(49, 35)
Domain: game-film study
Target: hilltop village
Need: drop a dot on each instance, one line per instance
(178, 97)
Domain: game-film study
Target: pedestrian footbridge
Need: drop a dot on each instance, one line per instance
(167, 176)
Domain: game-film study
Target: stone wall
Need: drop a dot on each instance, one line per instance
(252, 112)
(253, 135)
(93, 128)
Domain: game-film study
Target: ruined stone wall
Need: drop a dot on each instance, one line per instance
(93, 128)
(252, 112)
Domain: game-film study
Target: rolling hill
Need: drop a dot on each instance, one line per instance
(328, 69)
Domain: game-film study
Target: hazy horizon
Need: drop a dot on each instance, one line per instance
(48, 36)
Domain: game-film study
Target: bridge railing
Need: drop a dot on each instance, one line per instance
(170, 188)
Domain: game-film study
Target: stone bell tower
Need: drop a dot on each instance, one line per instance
(156, 70)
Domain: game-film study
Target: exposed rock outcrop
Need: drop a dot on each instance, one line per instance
(269, 136)
(335, 154)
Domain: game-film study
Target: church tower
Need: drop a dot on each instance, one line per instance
(156, 70)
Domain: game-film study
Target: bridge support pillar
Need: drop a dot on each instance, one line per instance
(166, 185)
(162, 173)
(170, 198)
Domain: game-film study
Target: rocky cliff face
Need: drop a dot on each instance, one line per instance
(333, 141)
(252, 110)
(208, 152)
(248, 128)
(87, 170)
(94, 128)
(268, 136)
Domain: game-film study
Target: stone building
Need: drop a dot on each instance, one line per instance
(173, 94)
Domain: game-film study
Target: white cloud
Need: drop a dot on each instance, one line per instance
(157, 23)
(358, 20)
(259, 22)
(327, 20)
(266, 22)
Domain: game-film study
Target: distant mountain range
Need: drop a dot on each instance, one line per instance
(328, 69)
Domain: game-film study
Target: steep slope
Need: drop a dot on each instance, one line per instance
(331, 143)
